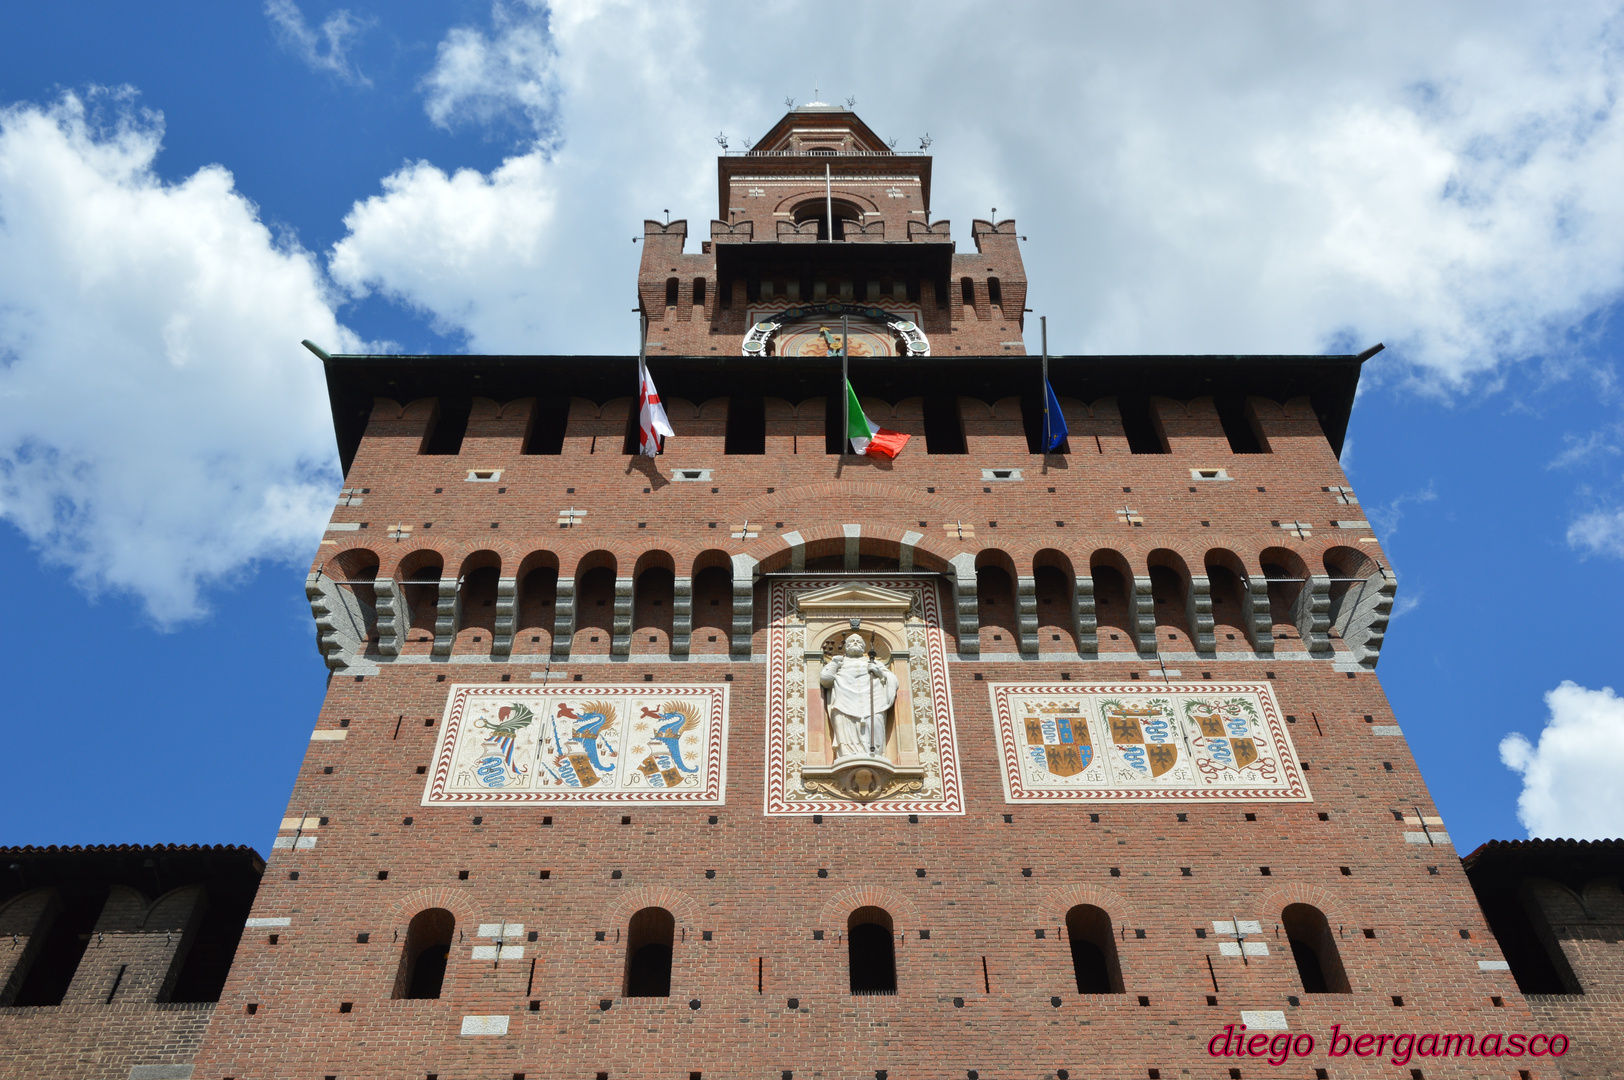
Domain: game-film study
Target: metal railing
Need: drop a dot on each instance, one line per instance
(823, 153)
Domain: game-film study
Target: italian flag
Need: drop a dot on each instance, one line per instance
(865, 437)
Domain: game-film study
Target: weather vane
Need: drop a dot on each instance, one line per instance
(721, 140)
(924, 141)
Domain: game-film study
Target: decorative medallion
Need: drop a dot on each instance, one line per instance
(815, 329)
(858, 715)
(581, 745)
(1139, 742)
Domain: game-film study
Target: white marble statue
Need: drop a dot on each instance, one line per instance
(858, 694)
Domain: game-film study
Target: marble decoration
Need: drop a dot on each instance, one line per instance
(581, 745)
(1144, 742)
(809, 769)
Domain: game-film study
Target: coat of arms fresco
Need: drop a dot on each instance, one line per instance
(858, 715)
(581, 745)
(1080, 742)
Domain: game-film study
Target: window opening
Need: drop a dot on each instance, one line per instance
(995, 292)
(870, 952)
(1144, 434)
(1313, 947)
(423, 961)
(967, 293)
(1093, 951)
(746, 426)
(699, 292)
(649, 936)
(450, 425)
(671, 287)
(944, 427)
(1240, 426)
(548, 422)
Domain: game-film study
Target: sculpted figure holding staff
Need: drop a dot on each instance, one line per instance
(856, 696)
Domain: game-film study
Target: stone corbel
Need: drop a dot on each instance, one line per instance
(1026, 614)
(1142, 614)
(507, 613)
(564, 619)
(968, 615)
(394, 616)
(1084, 617)
(447, 614)
(744, 607)
(620, 640)
(682, 614)
(1198, 610)
(1255, 615)
(1313, 614)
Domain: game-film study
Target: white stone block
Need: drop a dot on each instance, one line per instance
(485, 1025)
(264, 922)
(1265, 1019)
(1493, 965)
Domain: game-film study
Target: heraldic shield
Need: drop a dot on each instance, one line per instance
(1225, 735)
(1144, 736)
(1059, 744)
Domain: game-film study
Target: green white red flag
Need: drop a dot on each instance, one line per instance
(867, 437)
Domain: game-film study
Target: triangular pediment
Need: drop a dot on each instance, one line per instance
(855, 598)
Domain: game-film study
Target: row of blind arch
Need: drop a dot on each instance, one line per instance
(871, 961)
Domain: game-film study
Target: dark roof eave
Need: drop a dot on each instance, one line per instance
(354, 380)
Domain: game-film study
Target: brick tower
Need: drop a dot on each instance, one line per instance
(585, 799)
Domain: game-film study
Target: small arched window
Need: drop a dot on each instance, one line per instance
(1093, 951)
(871, 956)
(423, 960)
(648, 953)
(1313, 947)
(699, 292)
(995, 292)
(967, 292)
(671, 287)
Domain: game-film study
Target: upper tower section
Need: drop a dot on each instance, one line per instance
(823, 221)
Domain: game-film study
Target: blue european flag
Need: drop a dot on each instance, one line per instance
(1054, 421)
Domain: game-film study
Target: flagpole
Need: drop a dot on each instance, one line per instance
(642, 372)
(1043, 323)
(845, 384)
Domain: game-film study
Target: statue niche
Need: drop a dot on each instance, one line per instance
(860, 740)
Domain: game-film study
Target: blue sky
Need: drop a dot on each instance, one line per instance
(186, 191)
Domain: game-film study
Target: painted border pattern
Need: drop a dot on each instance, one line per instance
(777, 762)
(712, 794)
(1294, 789)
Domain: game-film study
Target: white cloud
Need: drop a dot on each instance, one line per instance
(1387, 517)
(479, 78)
(161, 426)
(1193, 179)
(1578, 450)
(1600, 532)
(1570, 780)
(337, 31)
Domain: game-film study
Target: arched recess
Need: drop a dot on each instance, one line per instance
(1054, 588)
(425, 955)
(594, 604)
(712, 604)
(817, 209)
(650, 937)
(57, 944)
(344, 602)
(1361, 602)
(418, 601)
(1298, 599)
(477, 582)
(653, 597)
(1313, 947)
(1240, 615)
(1115, 602)
(535, 604)
(1171, 600)
(996, 602)
(871, 954)
(1094, 962)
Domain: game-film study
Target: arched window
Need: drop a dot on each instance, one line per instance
(671, 292)
(871, 956)
(648, 953)
(1093, 950)
(699, 292)
(423, 960)
(818, 210)
(995, 292)
(967, 292)
(1313, 946)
